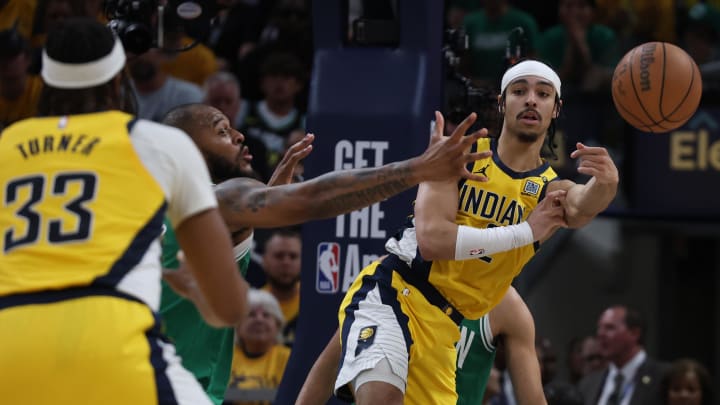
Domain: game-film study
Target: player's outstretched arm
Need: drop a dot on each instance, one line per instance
(318, 386)
(513, 320)
(440, 238)
(248, 203)
(585, 201)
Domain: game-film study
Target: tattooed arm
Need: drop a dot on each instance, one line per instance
(245, 202)
(249, 203)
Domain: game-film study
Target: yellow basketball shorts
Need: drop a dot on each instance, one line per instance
(88, 349)
(385, 316)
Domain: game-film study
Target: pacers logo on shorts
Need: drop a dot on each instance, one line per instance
(327, 280)
(365, 338)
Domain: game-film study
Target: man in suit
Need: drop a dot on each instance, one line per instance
(631, 378)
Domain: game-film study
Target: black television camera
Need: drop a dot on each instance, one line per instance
(462, 96)
(142, 24)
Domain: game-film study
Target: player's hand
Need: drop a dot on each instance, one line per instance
(595, 161)
(548, 216)
(283, 173)
(447, 156)
(181, 279)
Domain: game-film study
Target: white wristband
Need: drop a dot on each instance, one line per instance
(472, 243)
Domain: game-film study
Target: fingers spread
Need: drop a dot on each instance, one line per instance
(462, 129)
(471, 157)
(438, 126)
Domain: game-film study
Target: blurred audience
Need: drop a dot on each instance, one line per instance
(562, 393)
(50, 12)
(19, 15)
(593, 360)
(19, 90)
(492, 388)
(700, 38)
(583, 53)
(687, 382)
(281, 262)
(222, 91)
(547, 358)
(574, 360)
(631, 375)
(488, 30)
(158, 92)
(271, 119)
(260, 357)
(193, 65)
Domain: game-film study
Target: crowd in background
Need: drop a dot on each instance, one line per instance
(255, 64)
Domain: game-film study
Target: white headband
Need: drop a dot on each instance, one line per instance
(83, 75)
(530, 68)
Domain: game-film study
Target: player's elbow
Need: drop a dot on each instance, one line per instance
(576, 219)
(430, 242)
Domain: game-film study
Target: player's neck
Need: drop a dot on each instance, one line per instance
(518, 155)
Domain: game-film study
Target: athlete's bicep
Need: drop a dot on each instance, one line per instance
(246, 202)
(238, 199)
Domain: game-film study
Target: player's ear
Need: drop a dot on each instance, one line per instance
(556, 111)
(501, 104)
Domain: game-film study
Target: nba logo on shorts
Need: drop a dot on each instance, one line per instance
(328, 268)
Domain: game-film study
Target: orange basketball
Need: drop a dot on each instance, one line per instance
(656, 87)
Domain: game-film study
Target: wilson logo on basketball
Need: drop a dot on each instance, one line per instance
(648, 51)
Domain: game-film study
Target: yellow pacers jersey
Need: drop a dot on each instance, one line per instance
(507, 198)
(79, 207)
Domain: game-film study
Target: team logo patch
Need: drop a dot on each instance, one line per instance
(327, 278)
(476, 252)
(366, 337)
(531, 188)
(482, 170)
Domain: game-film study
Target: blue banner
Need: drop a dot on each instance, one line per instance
(368, 106)
(676, 175)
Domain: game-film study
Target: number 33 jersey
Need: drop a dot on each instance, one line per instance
(84, 198)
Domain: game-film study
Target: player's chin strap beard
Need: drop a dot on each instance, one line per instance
(527, 137)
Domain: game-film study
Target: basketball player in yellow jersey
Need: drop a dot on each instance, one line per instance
(84, 191)
(466, 243)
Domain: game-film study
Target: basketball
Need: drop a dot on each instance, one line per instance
(656, 87)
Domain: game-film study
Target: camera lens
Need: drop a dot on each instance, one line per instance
(136, 38)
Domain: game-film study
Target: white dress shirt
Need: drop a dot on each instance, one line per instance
(628, 371)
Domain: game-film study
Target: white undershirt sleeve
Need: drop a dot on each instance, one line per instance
(472, 243)
(176, 163)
